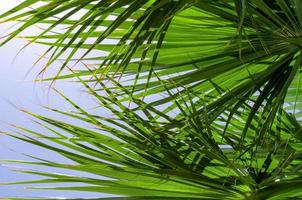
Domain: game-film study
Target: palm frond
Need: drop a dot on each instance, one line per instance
(199, 45)
(143, 157)
(205, 96)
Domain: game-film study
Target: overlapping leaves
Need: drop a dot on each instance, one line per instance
(222, 119)
(241, 47)
(142, 157)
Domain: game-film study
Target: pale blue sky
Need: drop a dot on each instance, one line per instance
(17, 90)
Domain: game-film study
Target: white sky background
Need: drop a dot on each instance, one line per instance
(18, 90)
(6, 5)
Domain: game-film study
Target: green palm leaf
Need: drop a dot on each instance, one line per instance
(205, 96)
(139, 156)
(194, 44)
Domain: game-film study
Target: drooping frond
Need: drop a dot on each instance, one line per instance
(147, 154)
(244, 48)
(205, 96)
